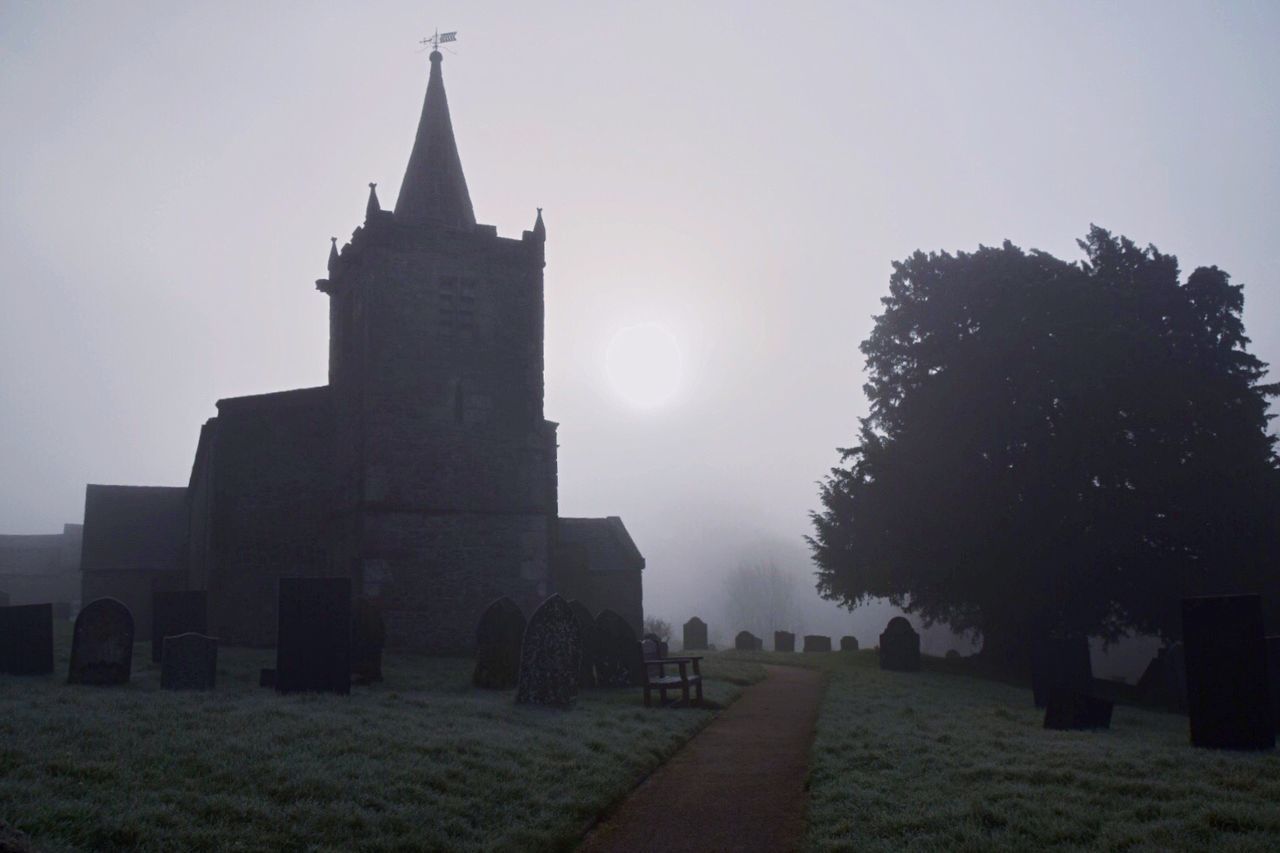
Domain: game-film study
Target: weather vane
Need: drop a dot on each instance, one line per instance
(439, 38)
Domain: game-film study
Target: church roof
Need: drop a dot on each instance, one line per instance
(608, 545)
(134, 527)
(434, 190)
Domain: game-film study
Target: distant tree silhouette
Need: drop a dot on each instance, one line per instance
(1054, 447)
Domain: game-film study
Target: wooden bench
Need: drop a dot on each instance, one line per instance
(656, 678)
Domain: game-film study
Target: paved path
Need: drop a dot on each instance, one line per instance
(737, 785)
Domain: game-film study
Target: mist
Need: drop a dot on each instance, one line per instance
(740, 178)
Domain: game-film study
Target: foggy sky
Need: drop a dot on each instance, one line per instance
(743, 174)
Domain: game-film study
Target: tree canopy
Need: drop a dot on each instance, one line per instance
(1054, 446)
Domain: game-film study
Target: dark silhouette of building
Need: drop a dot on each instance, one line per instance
(41, 568)
(425, 470)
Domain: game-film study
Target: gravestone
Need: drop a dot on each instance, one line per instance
(550, 656)
(745, 641)
(368, 636)
(1067, 709)
(1273, 676)
(498, 636)
(590, 644)
(189, 662)
(660, 645)
(26, 639)
(784, 641)
(313, 645)
(1060, 662)
(102, 644)
(619, 659)
(695, 635)
(1228, 695)
(817, 643)
(1164, 681)
(174, 613)
(899, 646)
(848, 644)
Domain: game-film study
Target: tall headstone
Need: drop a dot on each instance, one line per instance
(1060, 662)
(102, 644)
(1067, 709)
(174, 613)
(368, 635)
(1228, 695)
(590, 643)
(26, 639)
(189, 662)
(784, 641)
(619, 659)
(498, 636)
(848, 644)
(313, 646)
(1164, 681)
(695, 635)
(550, 656)
(899, 646)
(817, 643)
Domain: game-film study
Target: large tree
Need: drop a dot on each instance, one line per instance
(1054, 447)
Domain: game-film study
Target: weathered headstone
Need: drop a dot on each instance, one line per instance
(899, 646)
(1164, 681)
(1060, 662)
(660, 645)
(550, 656)
(784, 641)
(189, 662)
(1068, 709)
(313, 645)
(817, 643)
(619, 659)
(1273, 676)
(174, 613)
(368, 636)
(848, 644)
(102, 644)
(590, 644)
(695, 635)
(26, 639)
(746, 641)
(498, 636)
(1228, 695)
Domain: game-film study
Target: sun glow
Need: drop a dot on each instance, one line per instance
(645, 365)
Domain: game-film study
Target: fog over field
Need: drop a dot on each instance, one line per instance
(724, 186)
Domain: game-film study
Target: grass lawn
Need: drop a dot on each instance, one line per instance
(421, 761)
(941, 761)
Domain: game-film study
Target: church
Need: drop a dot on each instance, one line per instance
(425, 470)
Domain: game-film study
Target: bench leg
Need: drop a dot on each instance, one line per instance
(662, 695)
(684, 693)
(699, 691)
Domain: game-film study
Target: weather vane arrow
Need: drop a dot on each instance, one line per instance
(439, 38)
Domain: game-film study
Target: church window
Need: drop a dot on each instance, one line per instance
(457, 295)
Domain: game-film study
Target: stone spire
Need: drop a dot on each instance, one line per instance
(434, 189)
(540, 230)
(333, 255)
(373, 208)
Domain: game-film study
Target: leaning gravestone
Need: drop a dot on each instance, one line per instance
(899, 646)
(498, 636)
(174, 613)
(550, 656)
(745, 641)
(695, 635)
(1067, 709)
(817, 643)
(368, 635)
(189, 662)
(590, 644)
(1228, 695)
(1164, 681)
(26, 639)
(619, 661)
(1060, 662)
(848, 644)
(313, 644)
(784, 641)
(102, 644)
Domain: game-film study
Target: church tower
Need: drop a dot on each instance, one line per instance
(444, 466)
